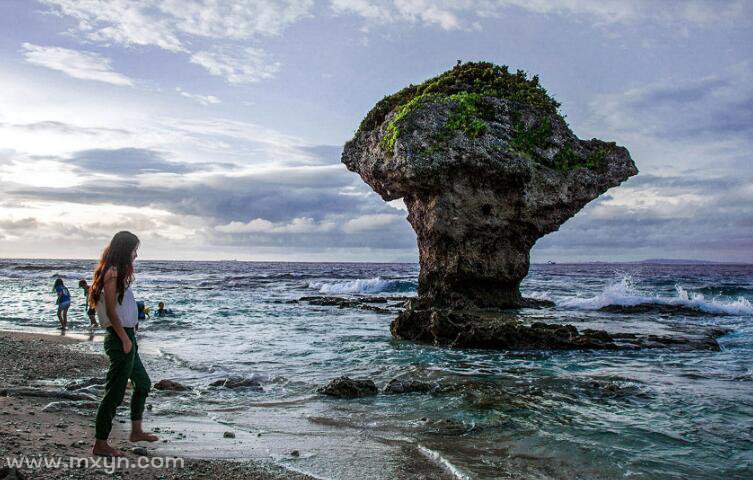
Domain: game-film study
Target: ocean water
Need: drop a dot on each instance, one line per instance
(645, 414)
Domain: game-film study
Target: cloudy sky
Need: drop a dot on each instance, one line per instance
(213, 129)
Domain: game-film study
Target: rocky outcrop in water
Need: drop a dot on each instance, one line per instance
(661, 309)
(170, 386)
(398, 386)
(464, 328)
(237, 382)
(345, 387)
(486, 166)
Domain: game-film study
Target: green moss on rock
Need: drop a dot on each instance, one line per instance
(465, 87)
(529, 139)
(392, 132)
(482, 78)
(566, 160)
(466, 116)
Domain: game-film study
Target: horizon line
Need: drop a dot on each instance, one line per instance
(650, 261)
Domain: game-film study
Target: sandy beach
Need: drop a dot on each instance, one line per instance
(31, 428)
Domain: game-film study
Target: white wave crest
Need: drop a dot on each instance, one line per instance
(539, 296)
(363, 285)
(444, 463)
(625, 293)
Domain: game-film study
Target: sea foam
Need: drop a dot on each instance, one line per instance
(625, 293)
(364, 285)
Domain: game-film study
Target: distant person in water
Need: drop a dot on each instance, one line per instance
(90, 311)
(63, 302)
(143, 312)
(111, 296)
(162, 311)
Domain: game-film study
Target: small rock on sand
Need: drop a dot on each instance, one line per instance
(228, 435)
(7, 473)
(141, 451)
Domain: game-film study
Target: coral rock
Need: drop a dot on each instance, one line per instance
(486, 166)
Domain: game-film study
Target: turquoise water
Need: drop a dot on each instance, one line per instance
(648, 414)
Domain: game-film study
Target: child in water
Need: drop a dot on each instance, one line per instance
(90, 312)
(162, 311)
(63, 302)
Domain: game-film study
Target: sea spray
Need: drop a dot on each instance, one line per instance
(365, 285)
(625, 293)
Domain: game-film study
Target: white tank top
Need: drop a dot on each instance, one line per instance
(128, 311)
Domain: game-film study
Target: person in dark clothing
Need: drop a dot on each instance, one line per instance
(162, 311)
(90, 312)
(117, 311)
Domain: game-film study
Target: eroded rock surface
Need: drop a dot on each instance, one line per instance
(237, 382)
(464, 328)
(170, 386)
(346, 387)
(407, 385)
(486, 166)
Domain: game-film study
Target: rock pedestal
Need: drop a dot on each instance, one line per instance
(486, 166)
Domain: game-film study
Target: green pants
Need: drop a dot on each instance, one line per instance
(122, 367)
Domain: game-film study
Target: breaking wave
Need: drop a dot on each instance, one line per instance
(365, 285)
(624, 293)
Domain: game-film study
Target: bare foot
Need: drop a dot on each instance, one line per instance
(106, 451)
(142, 437)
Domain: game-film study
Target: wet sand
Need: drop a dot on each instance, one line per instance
(43, 361)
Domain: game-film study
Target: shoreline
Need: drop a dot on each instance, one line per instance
(31, 428)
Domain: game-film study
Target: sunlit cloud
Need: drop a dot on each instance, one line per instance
(75, 63)
(466, 14)
(202, 99)
(247, 65)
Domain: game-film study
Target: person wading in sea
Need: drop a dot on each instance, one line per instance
(63, 302)
(111, 296)
(90, 312)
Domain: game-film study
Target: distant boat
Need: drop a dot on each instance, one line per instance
(551, 263)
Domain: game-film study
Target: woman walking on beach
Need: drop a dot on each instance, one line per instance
(111, 296)
(63, 302)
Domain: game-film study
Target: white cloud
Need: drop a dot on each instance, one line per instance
(202, 99)
(75, 63)
(246, 65)
(169, 24)
(443, 13)
(46, 174)
(174, 25)
(367, 9)
(262, 226)
(464, 14)
(370, 223)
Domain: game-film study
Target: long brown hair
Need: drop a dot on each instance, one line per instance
(118, 255)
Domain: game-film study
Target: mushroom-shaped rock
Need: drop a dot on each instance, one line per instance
(486, 166)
